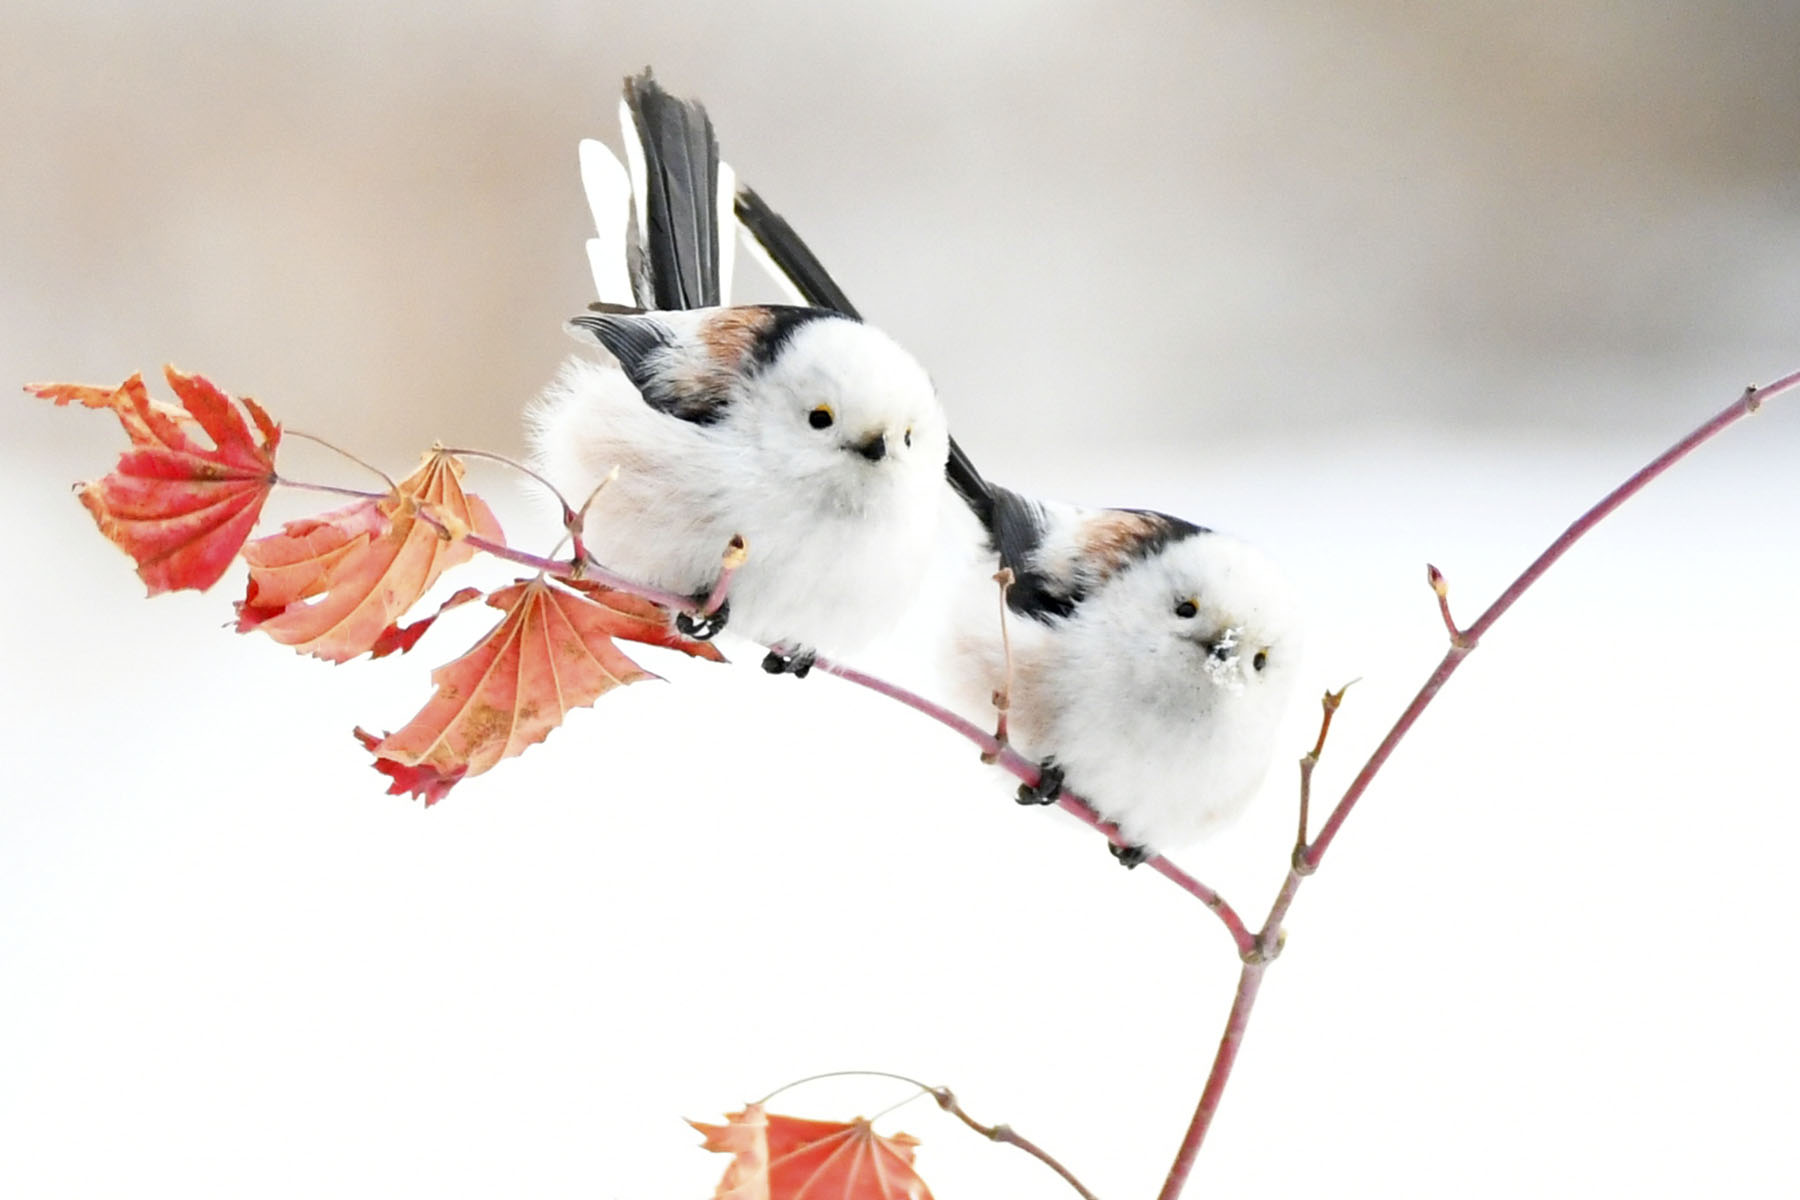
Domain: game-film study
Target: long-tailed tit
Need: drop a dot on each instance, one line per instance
(1150, 659)
(811, 435)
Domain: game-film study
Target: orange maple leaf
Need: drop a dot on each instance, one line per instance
(424, 781)
(552, 652)
(181, 510)
(790, 1158)
(335, 585)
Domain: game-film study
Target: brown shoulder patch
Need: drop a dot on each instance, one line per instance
(1113, 537)
(730, 334)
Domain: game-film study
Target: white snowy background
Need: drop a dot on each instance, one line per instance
(1375, 284)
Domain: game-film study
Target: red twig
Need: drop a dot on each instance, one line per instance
(729, 562)
(1462, 643)
(1737, 410)
(1249, 981)
(1026, 771)
(1007, 1136)
(1331, 702)
(1441, 588)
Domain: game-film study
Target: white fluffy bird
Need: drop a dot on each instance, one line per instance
(1151, 659)
(813, 436)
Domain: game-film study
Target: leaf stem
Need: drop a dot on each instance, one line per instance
(343, 453)
(521, 468)
(330, 489)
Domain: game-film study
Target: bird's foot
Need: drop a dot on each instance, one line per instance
(703, 627)
(1048, 788)
(779, 662)
(1131, 856)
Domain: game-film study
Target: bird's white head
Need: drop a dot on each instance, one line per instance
(1197, 620)
(845, 405)
(826, 400)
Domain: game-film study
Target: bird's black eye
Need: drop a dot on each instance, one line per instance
(820, 417)
(908, 438)
(1186, 609)
(1261, 660)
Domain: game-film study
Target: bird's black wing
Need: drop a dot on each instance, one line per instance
(677, 250)
(1016, 525)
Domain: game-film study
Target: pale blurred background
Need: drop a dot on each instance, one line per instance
(1370, 283)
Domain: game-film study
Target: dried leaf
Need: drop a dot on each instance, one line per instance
(181, 510)
(426, 782)
(398, 639)
(552, 652)
(639, 620)
(789, 1158)
(335, 585)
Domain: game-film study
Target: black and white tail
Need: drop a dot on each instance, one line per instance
(664, 239)
(664, 229)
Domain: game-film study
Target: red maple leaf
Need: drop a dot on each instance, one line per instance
(790, 1158)
(335, 585)
(427, 782)
(181, 510)
(398, 639)
(552, 652)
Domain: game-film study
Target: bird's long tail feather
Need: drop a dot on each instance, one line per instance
(677, 245)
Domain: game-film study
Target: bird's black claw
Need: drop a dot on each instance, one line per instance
(703, 628)
(797, 665)
(1048, 787)
(1131, 856)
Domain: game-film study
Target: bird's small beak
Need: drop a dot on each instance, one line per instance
(875, 449)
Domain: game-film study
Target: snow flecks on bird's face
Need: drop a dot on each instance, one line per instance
(1224, 666)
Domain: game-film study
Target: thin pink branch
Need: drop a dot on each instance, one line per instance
(1249, 982)
(1463, 642)
(1026, 771)
(1006, 1135)
(1737, 410)
(592, 568)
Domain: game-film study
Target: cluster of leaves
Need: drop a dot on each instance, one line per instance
(338, 585)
